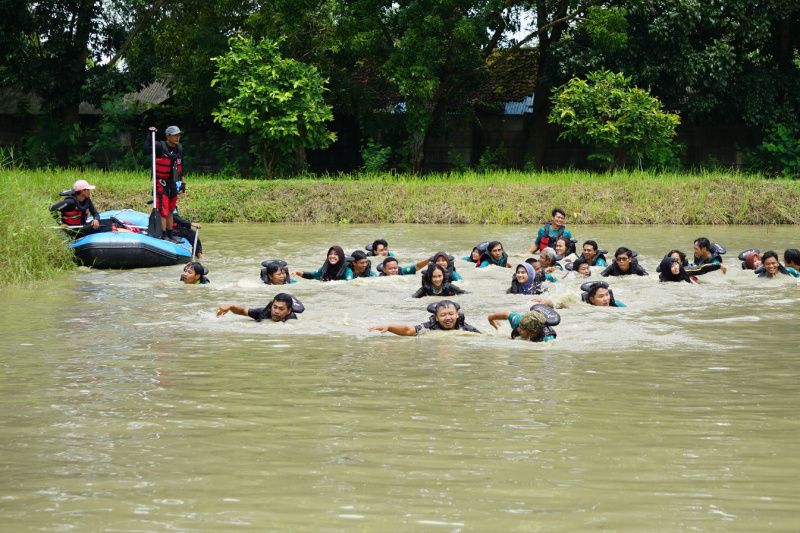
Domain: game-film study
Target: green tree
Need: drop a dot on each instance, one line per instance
(621, 121)
(277, 101)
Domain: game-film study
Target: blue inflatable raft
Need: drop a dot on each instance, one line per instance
(129, 250)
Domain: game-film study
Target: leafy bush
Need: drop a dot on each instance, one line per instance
(621, 121)
(779, 152)
(493, 158)
(375, 156)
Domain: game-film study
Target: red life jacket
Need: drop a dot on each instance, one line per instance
(168, 159)
(74, 215)
(545, 242)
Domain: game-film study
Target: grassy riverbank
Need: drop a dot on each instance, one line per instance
(30, 250)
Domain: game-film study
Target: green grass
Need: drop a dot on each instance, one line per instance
(31, 250)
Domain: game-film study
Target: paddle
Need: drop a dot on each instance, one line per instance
(194, 245)
(154, 222)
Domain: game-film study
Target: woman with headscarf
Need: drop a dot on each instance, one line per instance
(525, 281)
(334, 268)
(671, 269)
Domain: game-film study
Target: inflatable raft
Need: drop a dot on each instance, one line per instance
(112, 249)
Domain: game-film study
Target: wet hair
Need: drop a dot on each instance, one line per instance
(682, 255)
(376, 242)
(358, 255)
(576, 265)
(270, 267)
(199, 269)
(591, 243)
(594, 287)
(792, 255)
(286, 299)
(558, 210)
(427, 275)
(769, 254)
(703, 242)
(569, 244)
(623, 251)
(382, 267)
(590, 289)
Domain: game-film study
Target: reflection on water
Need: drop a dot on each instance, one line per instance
(129, 407)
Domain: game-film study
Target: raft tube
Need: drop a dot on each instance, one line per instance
(122, 250)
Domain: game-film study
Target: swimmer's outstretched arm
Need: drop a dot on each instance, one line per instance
(421, 263)
(494, 317)
(233, 308)
(398, 329)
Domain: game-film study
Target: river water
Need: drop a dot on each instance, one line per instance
(128, 406)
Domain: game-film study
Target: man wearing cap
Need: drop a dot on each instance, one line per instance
(75, 208)
(169, 176)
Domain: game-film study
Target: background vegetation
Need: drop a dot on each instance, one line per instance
(734, 64)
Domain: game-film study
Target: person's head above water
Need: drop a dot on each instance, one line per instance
(434, 276)
(598, 293)
(359, 262)
(194, 273)
(791, 258)
(547, 257)
(281, 306)
(390, 267)
(276, 272)
(702, 248)
(771, 263)
(581, 266)
(623, 257)
(753, 260)
(446, 313)
(495, 250)
(379, 247)
(590, 250)
(443, 259)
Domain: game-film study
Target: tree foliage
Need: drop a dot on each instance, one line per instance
(277, 101)
(621, 121)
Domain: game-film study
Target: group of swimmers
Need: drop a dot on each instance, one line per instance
(557, 254)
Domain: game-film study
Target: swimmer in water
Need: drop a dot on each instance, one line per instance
(706, 253)
(625, 264)
(791, 258)
(334, 268)
(592, 255)
(434, 283)
(361, 266)
(536, 325)
(281, 308)
(580, 268)
(494, 255)
(445, 316)
(671, 269)
(391, 267)
(525, 281)
(772, 267)
(447, 262)
(194, 274)
(275, 272)
(379, 248)
(565, 247)
(599, 293)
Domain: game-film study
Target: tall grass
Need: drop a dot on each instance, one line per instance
(31, 250)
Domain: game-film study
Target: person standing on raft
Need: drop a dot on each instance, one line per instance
(169, 176)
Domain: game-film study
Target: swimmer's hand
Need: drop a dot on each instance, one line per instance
(493, 323)
(383, 329)
(223, 309)
(196, 225)
(723, 268)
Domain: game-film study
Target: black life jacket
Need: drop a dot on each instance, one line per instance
(536, 287)
(486, 256)
(614, 270)
(597, 257)
(461, 324)
(545, 242)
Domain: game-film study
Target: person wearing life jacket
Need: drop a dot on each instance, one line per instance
(281, 308)
(580, 268)
(333, 269)
(525, 281)
(566, 249)
(447, 262)
(378, 248)
(671, 269)
(475, 255)
(625, 264)
(791, 259)
(494, 255)
(550, 232)
(391, 267)
(445, 316)
(195, 274)
(706, 253)
(542, 274)
(536, 325)
(772, 266)
(360, 265)
(275, 272)
(74, 209)
(592, 255)
(549, 260)
(750, 258)
(600, 294)
(187, 229)
(170, 179)
(435, 283)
